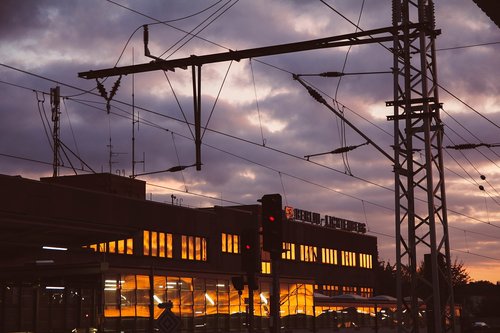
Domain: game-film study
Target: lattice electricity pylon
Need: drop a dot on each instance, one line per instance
(421, 216)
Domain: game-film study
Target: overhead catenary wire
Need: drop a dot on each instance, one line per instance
(257, 103)
(216, 99)
(380, 233)
(166, 116)
(193, 35)
(157, 22)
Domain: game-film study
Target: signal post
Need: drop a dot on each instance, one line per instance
(272, 239)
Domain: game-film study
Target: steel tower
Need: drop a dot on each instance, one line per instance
(420, 201)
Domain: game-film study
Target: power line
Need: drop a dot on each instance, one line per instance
(466, 46)
(244, 140)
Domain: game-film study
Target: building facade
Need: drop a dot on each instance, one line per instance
(90, 252)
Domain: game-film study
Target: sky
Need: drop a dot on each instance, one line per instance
(260, 122)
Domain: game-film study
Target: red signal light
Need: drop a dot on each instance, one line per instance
(271, 218)
(247, 247)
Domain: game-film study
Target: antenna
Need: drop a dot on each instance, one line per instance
(54, 102)
(111, 154)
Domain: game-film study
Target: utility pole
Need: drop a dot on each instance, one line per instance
(54, 103)
(421, 214)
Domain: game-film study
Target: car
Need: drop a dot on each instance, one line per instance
(479, 324)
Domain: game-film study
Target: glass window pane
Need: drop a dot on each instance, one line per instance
(184, 247)
(154, 243)
(143, 299)
(145, 243)
(169, 245)
(223, 241)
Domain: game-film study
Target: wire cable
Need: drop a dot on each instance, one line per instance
(216, 99)
(197, 33)
(257, 103)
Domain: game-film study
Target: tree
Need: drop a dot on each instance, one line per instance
(386, 277)
(459, 275)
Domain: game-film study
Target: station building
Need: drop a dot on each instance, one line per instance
(91, 252)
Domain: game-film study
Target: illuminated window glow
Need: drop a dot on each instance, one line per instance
(266, 267)
(193, 248)
(348, 258)
(122, 246)
(329, 256)
(365, 260)
(308, 253)
(230, 243)
(288, 251)
(157, 244)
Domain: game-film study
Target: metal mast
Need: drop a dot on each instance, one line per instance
(55, 102)
(421, 216)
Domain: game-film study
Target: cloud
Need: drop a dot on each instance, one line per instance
(264, 122)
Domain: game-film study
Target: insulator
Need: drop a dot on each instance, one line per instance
(316, 95)
(101, 89)
(431, 17)
(331, 74)
(342, 150)
(115, 88)
(483, 177)
(396, 12)
(464, 146)
(481, 187)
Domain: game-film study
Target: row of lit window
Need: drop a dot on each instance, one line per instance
(333, 290)
(365, 260)
(348, 258)
(133, 295)
(158, 244)
(308, 253)
(194, 248)
(328, 256)
(122, 246)
(230, 243)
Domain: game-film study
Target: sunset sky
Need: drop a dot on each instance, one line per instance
(260, 121)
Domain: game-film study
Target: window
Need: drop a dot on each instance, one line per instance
(330, 290)
(329, 256)
(122, 246)
(194, 248)
(366, 292)
(308, 253)
(365, 260)
(288, 251)
(349, 290)
(266, 267)
(348, 258)
(230, 243)
(157, 244)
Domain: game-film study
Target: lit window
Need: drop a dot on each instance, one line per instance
(349, 290)
(156, 244)
(365, 260)
(348, 258)
(194, 248)
(230, 243)
(329, 256)
(308, 253)
(266, 267)
(288, 251)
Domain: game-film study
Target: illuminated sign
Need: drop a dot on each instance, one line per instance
(332, 222)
